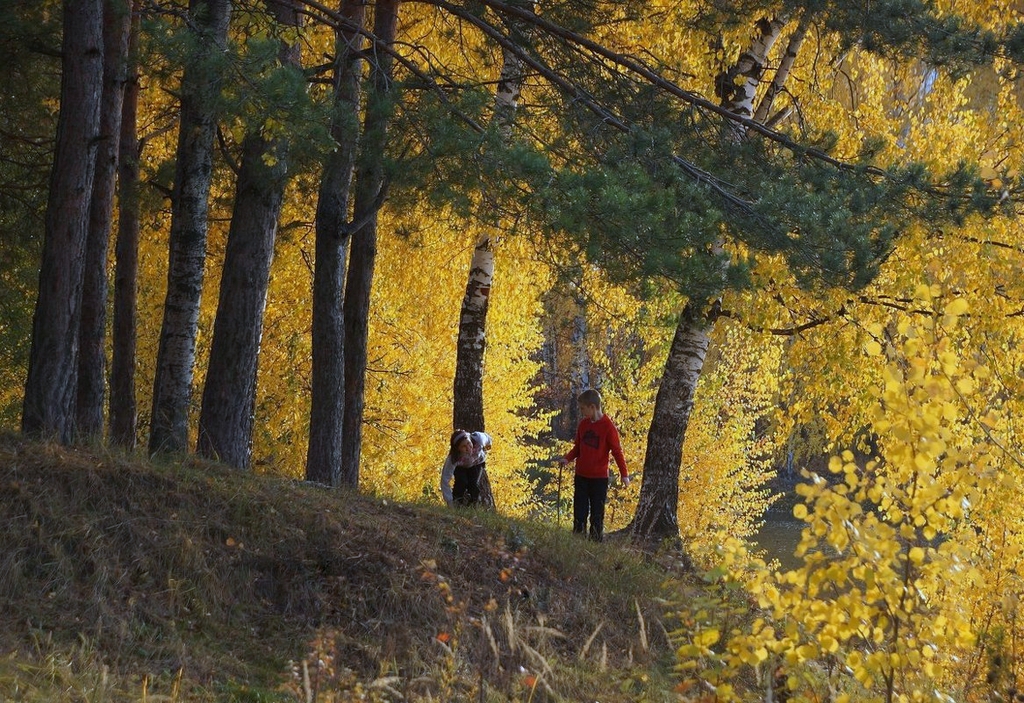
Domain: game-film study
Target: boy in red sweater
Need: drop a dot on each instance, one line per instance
(596, 438)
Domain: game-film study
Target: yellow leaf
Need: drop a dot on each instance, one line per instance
(956, 307)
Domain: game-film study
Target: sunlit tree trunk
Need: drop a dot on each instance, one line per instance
(323, 458)
(657, 508)
(796, 41)
(123, 410)
(51, 386)
(468, 406)
(176, 353)
(92, 357)
(229, 393)
(468, 409)
(656, 514)
(369, 187)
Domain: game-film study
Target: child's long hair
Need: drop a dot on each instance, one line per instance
(456, 440)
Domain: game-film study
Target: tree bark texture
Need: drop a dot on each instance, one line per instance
(323, 457)
(796, 41)
(469, 359)
(369, 191)
(51, 386)
(468, 396)
(123, 407)
(657, 510)
(229, 394)
(657, 513)
(468, 407)
(175, 359)
(738, 86)
(92, 357)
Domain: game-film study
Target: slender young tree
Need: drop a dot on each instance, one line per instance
(92, 359)
(369, 189)
(468, 385)
(123, 407)
(51, 386)
(229, 393)
(657, 509)
(175, 361)
(468, 406)
(323, 457)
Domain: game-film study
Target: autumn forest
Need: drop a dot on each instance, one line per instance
(310, 239)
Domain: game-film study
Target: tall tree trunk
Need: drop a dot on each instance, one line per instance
(229, 394)
(468, 391)
(323, 457)
(468, 406)
(369, 191)
(51, 386)
(123, 410)
(175, 360)
(658, 506)
(92, 358)
(657, 510)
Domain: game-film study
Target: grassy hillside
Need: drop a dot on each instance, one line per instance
(125, 580)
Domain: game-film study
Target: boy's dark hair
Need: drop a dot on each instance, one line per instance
(590, 397)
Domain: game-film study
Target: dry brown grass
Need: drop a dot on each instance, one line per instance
(122, 579)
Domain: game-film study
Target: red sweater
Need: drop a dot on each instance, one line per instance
(594, 441)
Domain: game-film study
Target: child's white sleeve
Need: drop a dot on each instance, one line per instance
(484, 439)
(447, 472)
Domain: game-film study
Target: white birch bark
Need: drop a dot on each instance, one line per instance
(657, 510)
(468, 407)
(796, 40)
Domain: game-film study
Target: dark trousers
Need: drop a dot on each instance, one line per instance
(466, 490)
(588, 499)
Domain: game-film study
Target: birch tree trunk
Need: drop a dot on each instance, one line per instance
(778, 84)
(175, 360)
(50, 389)
(658, 506)
(229, 394)
(323, 457)
(468, 409)
(92, 357)
(468, 391)
(369, 192)
(123, 409)
(657, 511)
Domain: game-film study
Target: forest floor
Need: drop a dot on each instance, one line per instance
(123, 579)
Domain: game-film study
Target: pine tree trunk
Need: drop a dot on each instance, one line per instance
(658, 505)
(51, 386)
(323, 458)
(368, 195)
(229, 394)
(92, 357)
(123, 409)
(175, 359)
